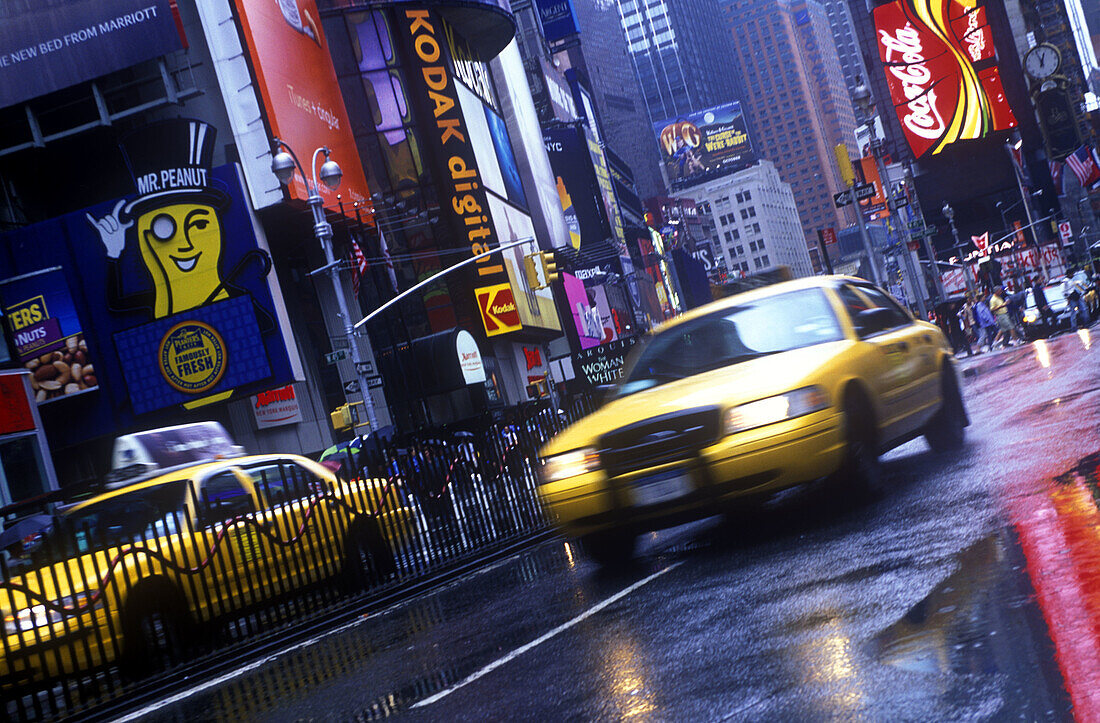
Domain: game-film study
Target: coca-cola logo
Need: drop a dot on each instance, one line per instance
(940, 65)
(906, 62)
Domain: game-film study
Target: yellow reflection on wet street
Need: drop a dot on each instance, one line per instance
(1086, 340)
(630, 692)
(831, 665)
(1042, 353)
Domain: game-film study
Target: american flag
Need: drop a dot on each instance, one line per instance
(384, 247)
(1017, 155)
(1085, 164)
(358, 266)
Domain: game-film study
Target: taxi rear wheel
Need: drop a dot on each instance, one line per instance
(945, 432)
(610, 549)
(157, 633)
(367, 560)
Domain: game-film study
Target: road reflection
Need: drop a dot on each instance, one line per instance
(830, 664)
(629, 692)
(1059, 532)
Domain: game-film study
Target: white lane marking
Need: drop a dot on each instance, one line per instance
(236, 673)
(543, 638)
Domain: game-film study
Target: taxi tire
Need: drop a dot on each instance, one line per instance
(946, 431)
(611, 549)
(367, 559)
(860, 470)
(157, 631)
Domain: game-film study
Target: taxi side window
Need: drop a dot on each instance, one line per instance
(881, 300)
(853, 302)
(223, 497)
(280, 482)
(869, 297)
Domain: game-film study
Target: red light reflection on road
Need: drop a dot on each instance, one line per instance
(1059, 531)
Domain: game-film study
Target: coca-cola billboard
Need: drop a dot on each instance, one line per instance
(940, 65)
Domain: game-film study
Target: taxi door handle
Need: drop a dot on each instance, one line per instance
(902, 346)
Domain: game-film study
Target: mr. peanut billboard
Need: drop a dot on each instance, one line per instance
(172, 286)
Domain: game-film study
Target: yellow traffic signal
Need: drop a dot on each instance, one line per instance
(844, 164)
(341, 417)
(531, 270)
(550, 267)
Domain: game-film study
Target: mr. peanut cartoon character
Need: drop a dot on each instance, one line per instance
(174, 222)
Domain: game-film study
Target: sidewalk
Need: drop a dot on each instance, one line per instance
(990, 360)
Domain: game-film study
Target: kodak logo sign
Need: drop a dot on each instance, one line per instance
(498, 309)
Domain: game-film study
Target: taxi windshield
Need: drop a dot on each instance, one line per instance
(735, 334)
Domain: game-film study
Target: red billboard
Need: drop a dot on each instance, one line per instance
(940, 65)
(301, 97)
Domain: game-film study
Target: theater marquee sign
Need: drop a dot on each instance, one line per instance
(941, 68)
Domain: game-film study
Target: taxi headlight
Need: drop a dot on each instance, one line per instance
(570, 464)
(41, 615)
(774, 409)
(1030, 316)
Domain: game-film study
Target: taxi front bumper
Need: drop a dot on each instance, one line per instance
(748, 464)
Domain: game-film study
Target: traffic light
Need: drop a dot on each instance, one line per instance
(341, 417)
(844, 164)
(531, 270)
(550, 267)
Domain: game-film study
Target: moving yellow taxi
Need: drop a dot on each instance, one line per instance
(740, 398)
(132, 575)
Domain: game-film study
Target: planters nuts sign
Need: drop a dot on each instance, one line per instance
(172, 287)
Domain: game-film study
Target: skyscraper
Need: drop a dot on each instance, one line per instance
(797, 97)
(683, 57)
(847, 44)
(603, 58)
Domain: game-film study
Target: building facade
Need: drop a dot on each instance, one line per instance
(601, 56)
(756, 221)
(682, 57)
(796, 94)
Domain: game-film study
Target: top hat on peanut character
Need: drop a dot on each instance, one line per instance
(170, 162)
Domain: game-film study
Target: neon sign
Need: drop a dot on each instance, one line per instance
(940, 65)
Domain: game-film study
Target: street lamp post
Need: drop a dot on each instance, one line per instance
(283, 163)
(949, 214)
(1027, 209)
(862, 97)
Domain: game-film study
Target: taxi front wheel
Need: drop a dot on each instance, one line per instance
(157, 632)
(860, 471)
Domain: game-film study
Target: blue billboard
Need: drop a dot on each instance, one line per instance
(559, 20)
(48, 46)
(172, 289)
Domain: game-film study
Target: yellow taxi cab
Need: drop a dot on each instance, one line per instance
(133, 574)
(735, 400)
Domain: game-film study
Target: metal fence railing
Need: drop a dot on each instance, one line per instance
(127, 587)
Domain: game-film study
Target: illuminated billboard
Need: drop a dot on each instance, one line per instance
(48, 46)
(940, 65)
(705, 144)
(294, 73)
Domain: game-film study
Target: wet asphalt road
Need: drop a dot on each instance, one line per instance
(916, 605)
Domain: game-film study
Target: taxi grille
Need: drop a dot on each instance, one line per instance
(655, 441)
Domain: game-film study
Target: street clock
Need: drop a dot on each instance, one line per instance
(1042, 61)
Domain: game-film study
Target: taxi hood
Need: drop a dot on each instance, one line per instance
(724, 387)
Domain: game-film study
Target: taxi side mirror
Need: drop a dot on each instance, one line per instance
(872, 321)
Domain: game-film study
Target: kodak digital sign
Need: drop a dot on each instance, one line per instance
(941, 68)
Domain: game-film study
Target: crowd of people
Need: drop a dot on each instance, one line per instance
(993, 318)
